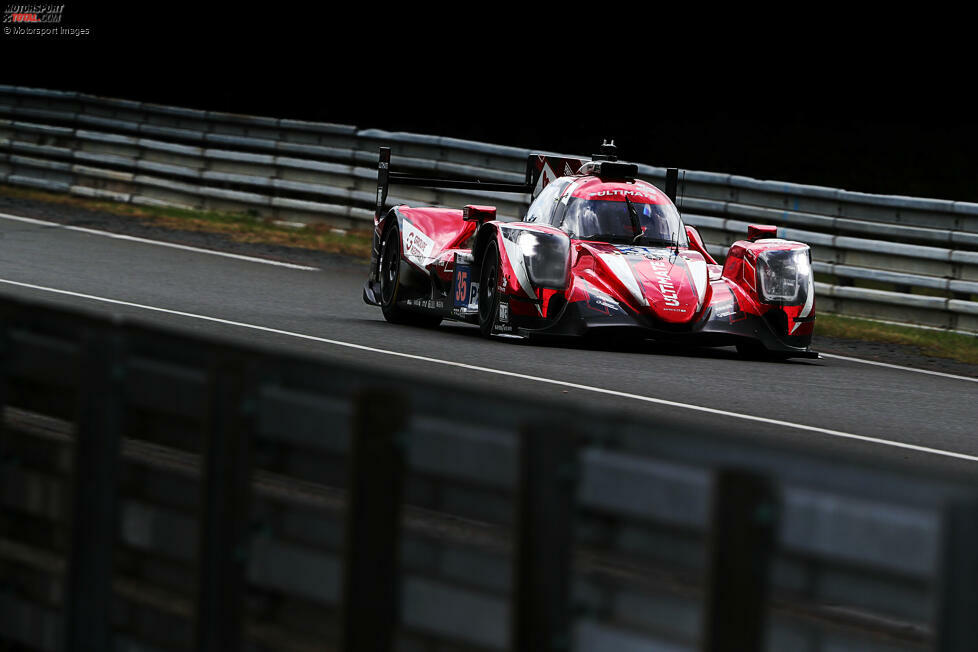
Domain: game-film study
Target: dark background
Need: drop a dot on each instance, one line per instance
(839, 104)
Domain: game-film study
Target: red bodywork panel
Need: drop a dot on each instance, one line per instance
(740, 267)
(672, 288)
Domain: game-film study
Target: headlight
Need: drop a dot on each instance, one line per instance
(785, 275)
(546, 256)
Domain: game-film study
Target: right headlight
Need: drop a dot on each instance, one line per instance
(547, 257)
(785, 275)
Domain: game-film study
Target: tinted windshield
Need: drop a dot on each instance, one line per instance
(614, 221)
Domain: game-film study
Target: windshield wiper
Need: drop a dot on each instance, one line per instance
(636, 225)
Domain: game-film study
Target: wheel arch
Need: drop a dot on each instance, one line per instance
(487, 233)
(414, 282)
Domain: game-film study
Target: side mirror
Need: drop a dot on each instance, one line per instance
(757, 231)
(478, 213)
(696, 243)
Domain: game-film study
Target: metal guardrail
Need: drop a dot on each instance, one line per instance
(167, 491)
(903, 259)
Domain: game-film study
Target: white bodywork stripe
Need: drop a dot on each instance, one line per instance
(697, 269)
(519, 266)
(619, 265)
(810, 301)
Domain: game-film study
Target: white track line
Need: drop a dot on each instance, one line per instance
(901, 368)
(511, 374)
(159, 243)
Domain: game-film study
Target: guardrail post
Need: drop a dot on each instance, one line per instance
(956, 629)
(745, 510)
(5, 353)
(548, 475)
(371, 586)
(226, 494)
(88, 584)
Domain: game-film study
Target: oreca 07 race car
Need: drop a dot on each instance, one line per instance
(598, 251)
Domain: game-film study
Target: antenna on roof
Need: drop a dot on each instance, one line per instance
(608, 151)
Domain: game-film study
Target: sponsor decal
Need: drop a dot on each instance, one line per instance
(462, 282)
(416, 244)
(426, 303)
(666, 287)
(622, 192)
(723, 310)
(601, 303)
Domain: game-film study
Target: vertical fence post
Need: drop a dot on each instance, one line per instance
(745, 511)
(88, 589)
(956, 629)
(5, 353)
(226, 494)
(548, 474)
(371, 584)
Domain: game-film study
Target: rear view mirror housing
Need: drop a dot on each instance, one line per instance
(757, 231)
(473, 213)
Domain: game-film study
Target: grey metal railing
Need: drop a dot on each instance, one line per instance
(167, 491)
(902, 259)
(174, 492)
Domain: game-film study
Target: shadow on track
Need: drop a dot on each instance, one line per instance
(606, 344)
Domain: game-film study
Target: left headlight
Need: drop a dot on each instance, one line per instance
(785, 275)
(547, 258)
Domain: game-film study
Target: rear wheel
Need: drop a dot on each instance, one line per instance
(488, 292)
(390, 284)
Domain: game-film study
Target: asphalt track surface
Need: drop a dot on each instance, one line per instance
(834, 407)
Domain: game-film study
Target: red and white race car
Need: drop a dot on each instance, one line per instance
(598, 251)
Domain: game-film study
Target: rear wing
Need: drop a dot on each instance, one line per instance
(541, 169)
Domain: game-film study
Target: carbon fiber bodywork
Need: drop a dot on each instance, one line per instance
(579, 319)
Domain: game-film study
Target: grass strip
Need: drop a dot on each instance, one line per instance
(240, 227)
(936, 343)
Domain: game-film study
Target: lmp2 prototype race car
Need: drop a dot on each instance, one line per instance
(598, 252)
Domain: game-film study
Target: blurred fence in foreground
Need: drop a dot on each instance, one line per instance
(164, 491)
(903, 259)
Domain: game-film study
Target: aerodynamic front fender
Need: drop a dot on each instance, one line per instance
(532, 257)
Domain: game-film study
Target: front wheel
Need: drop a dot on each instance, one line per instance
(488, 292)
(390, 284)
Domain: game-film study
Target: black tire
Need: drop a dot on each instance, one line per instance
(488, 292)
(390, 284)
